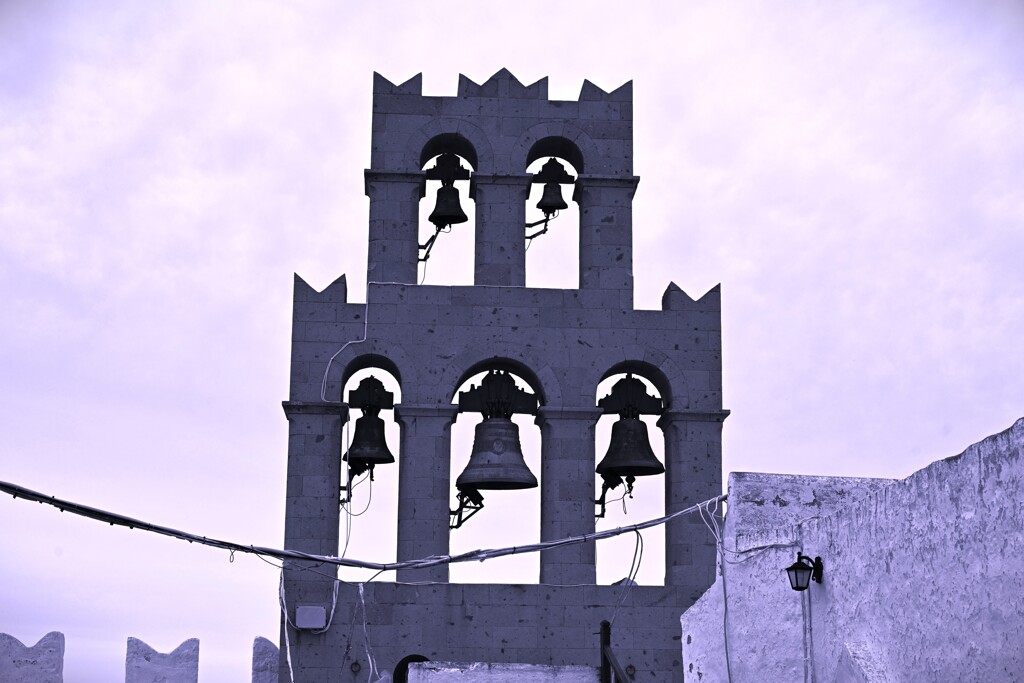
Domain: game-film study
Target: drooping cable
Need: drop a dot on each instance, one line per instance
(287, 623)
(366, 639)
(630, 580)
(284, 554)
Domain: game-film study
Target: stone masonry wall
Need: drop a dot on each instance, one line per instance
(538, 624)
(923, 578)
(563, 343)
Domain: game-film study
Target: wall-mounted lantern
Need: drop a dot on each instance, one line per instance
(803, 571)
(629, 454)
(448, 210)
(368, 447)
(496, 462)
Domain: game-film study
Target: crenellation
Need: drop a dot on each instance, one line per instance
(383, 86)
(569, 340)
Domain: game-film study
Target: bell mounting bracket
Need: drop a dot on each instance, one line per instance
(448, 169)
(371, 397)
(497, 396)
(470, 503)
(629, 398)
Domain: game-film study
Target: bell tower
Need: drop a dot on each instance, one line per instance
(543, 353)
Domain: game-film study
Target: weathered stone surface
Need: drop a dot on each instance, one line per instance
(923, 576)
(859, 663)
(264, 661)
(563, 343)
(143, 664)
(40, 663)
(452, 672)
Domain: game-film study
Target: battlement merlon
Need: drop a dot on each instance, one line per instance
(502, 119)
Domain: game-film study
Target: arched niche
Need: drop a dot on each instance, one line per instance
(510, 517)
(369, 519)
(552, 245)
(615, 556)
(647, 371)
(509, 365)
(556, 146)
(367, 361)
(449, 142)
(448, 251)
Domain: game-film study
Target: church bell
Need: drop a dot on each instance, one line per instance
(368, 445)
(496, 462)
(448, 210)
(630, 453)
(551, 201)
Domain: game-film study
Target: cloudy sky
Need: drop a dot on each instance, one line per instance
(850, 172)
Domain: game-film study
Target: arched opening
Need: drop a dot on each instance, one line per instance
(401, 674)
(369, 497)
(446, 248)
(509, 517)
(624, 556)
(552, 247)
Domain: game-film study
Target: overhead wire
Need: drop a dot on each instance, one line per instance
(284, 554)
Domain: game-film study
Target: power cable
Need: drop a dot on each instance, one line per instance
(283, 554)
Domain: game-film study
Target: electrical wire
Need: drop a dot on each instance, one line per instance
(366, 327)
(366, 639)
(369, 498)
(284, 554)
(287, 623)
(630, 581)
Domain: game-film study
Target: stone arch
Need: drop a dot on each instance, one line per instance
(589, 157)
(401, 674)
(663, 374)
(371, 353)
(370, 360)
(521, 361)
(449, 134)
(555, 146)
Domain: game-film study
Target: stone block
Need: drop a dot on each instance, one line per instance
(39, 663)
(143, 664)
(265, 661)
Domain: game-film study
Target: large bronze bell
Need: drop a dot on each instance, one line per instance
(496, 462)
(551, 201)
(448, 210)
(630, 453)
(368, 446)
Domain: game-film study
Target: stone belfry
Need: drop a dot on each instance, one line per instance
(560, 343)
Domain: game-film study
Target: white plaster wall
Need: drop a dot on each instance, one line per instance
(765, 616)
(929, 573)
(923, 577)
(435, 672)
